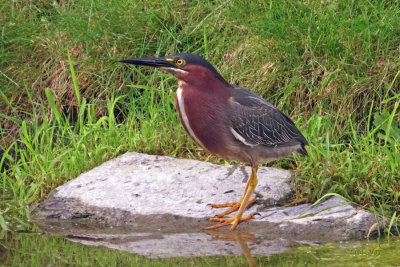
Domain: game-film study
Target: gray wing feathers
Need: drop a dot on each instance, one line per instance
(258, 122)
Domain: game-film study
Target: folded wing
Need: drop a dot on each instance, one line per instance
(255, 121)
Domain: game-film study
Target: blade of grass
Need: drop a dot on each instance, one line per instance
(53, 106)
(389, 88)
(320, 199)
(389, 124)
(205, 42)
(74, 80)
(391, 224)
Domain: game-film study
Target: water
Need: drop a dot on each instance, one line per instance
(29, 249)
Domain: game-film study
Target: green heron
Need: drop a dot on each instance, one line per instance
(228, 121)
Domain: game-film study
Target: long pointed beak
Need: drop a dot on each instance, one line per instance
(152, 62)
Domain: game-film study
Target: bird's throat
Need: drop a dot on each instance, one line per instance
(183, 115)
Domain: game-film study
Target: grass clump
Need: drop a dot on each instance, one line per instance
(331, 66)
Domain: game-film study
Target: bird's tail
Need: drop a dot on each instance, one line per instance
(302, 151)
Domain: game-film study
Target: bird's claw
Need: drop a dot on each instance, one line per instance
(226, 221)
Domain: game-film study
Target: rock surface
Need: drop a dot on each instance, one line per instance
(161, 202)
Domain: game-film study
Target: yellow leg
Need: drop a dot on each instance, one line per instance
(235, 205)
(244, 202)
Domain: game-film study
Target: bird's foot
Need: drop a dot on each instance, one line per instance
(234, 221)
(234, 207)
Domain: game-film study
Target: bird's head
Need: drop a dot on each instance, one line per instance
(188, 68)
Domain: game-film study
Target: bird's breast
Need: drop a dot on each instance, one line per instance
(203, 118)
(180, 106)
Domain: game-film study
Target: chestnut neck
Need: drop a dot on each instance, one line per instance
(202, 79)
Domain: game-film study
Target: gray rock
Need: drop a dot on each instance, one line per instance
(156, 206)
(138, 185)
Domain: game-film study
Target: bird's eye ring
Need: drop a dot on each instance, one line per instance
(180, 62)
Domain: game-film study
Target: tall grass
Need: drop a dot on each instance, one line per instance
(56, 146)
(333, 67)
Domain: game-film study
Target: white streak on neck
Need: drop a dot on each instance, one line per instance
(185, 120)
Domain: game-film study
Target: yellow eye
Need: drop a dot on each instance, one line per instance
(180, 62)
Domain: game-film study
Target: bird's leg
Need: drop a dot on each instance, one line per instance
(245, 201)
(235, 205)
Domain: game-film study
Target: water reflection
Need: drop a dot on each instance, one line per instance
(48, 250)
(167, 244)
(240, 237)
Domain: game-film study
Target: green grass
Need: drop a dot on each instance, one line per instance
(68, 106)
